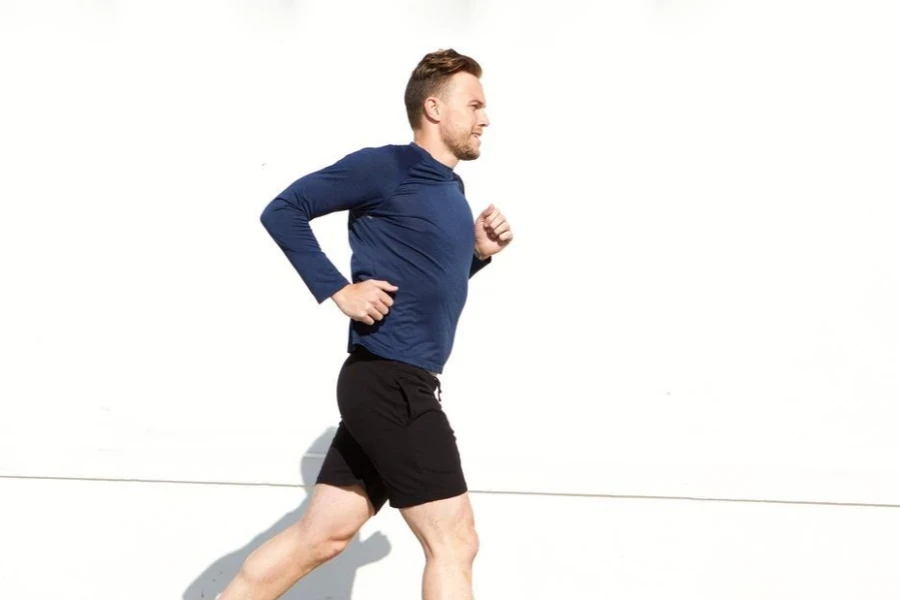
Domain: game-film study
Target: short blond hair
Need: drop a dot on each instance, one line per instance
(430, 76)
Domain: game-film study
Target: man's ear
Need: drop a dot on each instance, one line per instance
(432, 110)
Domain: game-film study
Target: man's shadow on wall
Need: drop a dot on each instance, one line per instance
(331, 581)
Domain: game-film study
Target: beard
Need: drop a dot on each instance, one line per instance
(461, 144)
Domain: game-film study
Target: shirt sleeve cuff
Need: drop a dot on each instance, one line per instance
(478, 264)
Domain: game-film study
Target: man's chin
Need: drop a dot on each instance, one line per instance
(468, 154)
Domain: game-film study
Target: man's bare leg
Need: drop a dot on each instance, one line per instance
(334, 516)
(446, 529)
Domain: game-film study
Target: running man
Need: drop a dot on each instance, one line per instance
(415, 244)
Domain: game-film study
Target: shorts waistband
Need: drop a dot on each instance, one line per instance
(364, 353)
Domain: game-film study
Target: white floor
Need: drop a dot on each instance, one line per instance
(96, 540)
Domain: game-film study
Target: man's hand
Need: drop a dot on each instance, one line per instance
(366, 301)
(492, 232)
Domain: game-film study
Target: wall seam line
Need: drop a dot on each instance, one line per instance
(471, 491)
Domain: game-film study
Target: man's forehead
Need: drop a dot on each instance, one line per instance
(469, 87)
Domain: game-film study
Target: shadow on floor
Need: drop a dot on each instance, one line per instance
(332, 581)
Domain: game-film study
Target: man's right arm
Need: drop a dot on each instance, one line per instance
(360, 180)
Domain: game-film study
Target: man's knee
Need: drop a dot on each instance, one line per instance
(446, 529)
(336, 516)
(459, 543)
(299, 548)
(327, 546)
(468, 545)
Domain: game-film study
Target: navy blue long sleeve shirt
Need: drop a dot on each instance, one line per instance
(409, 224)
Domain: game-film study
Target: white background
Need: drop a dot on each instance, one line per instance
(700, 302)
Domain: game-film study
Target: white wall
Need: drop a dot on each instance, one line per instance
(700, 302)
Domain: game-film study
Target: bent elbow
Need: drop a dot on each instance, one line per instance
(273, 214)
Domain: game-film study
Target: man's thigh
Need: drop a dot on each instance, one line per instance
(395, 414)
(335, 512)
(442, 523)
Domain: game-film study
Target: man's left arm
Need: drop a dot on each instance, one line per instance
(492, 234)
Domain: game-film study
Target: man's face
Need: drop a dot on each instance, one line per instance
(463, 116)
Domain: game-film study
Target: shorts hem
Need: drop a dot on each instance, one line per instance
(378, 501)
(339, 481)
(411, 501)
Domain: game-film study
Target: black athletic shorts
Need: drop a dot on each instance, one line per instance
(394, 438)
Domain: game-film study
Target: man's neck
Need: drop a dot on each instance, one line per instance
(436, 149)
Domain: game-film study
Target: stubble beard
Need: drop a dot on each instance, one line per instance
(461, 146)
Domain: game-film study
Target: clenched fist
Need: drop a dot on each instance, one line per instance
(367, 301)
(492, 232)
